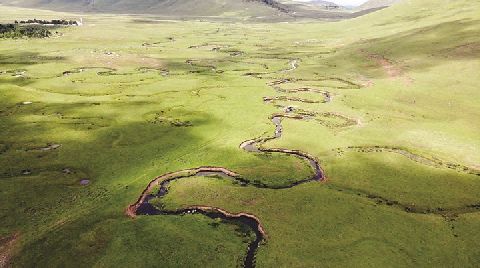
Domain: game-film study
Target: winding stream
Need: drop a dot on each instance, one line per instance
(144, 207)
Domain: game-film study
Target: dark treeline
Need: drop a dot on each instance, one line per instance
(18, 31)
(54, 22)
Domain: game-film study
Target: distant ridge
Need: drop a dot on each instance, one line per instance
(174, 7)
(264, 9)
(273, 4)
(378, 4)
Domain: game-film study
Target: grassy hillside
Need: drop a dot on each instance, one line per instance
(388, 103)
(188, 7)
(269, 10)
(230, 8)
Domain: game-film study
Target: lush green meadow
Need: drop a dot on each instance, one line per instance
(120, 101)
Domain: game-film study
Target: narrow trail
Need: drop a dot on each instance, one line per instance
(7, 245)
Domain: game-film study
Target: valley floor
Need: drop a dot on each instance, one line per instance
(129, 142)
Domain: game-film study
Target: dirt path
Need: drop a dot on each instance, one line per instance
(392, 69)
(6, 249)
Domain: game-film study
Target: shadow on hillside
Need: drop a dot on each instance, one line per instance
(14, 64)
(429, 46)
(437, 41)
(13, 57)
(118, 157)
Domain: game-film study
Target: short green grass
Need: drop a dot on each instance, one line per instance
(123, 120)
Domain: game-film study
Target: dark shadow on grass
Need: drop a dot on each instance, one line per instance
(117, 157)
(26, 58)
(14, 65)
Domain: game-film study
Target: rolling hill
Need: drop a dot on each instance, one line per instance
(270, 9)
(187, 7)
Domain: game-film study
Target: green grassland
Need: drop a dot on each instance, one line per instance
(129, 100)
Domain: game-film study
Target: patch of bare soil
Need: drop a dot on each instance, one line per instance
(6, 249)
(390, 67)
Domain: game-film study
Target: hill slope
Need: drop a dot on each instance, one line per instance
(187, 8)
(170, 7)
(378, 4)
